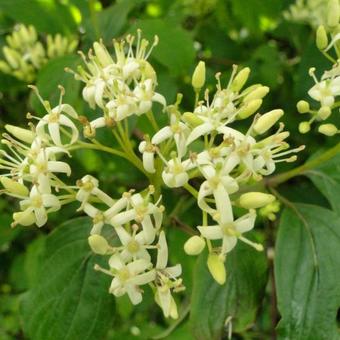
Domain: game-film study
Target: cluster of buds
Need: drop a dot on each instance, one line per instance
(312, 12)
(24, 54)
(31, 166)
(201, 146)
(135, 225)
(327, 89)
(121, 86)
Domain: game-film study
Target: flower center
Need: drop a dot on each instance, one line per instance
(133, 246)
(124, 274)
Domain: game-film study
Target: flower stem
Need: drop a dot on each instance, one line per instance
(300, 170)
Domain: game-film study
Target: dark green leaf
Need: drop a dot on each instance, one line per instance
(239, 297)
(326, 178)
(112, 19)
(70, 300)
(307, 263)
(48, 16)
(175, 49)
(52, 75)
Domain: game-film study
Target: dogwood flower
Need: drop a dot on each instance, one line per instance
(228, 229)
(166, 280)
(37, 203)
(128, 277)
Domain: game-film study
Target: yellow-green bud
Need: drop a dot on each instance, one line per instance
(24, 218)
(240, 79)
(254, 200)
(192, 119)
(194, 245)
(198, 77)
(14, 187)
(304, 127)
(333, 12)
(217, 268)
(102, 54)
(258, 93)
(249, 109)
(328, 129)
(266, 121)
(324, 112)
(98, 244)
(303, 106)
(321, 38)
(23, 135)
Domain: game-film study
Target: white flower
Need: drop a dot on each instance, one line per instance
(177, 130)
(228, 229)
(128, 277)
(38, 204)
(325, 91)
(134, 245)
(166, 280)
(215, 178)
(148, 151)
(88, 186)
(141, 211)
(175, 173)
(56, 119)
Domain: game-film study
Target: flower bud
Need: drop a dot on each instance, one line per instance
(217, 268)
(14, 187)
(258, 93)
(198, 77)
(98, 244)
(254, 200)
(194, 245)
(249, 109)
(266, 121)
(304, 127)
(333, 12)
(102, 54)
(192, 119)
(23, 135)
(240, 79)
(24, 218)
(324, 112)
(328, 129)
(321, 38)
(303, 106)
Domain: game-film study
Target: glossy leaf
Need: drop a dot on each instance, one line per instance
(70, 300)
(239, 297)
(307, 262)
(326, 178)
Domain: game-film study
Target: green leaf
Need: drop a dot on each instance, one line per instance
(175, 49)
(239, 297)
(49, 16)
(70, 300)
(52, 75)
(307, 262)
(326, 178)
(112, 19)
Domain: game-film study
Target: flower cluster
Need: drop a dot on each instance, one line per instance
(312, 12)
(201, 151)
(32, 167)
(201, 145)
(136, 222)
(120, 86)
(327, 89)
(25, 54)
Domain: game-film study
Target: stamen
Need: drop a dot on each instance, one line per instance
(256, 246)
